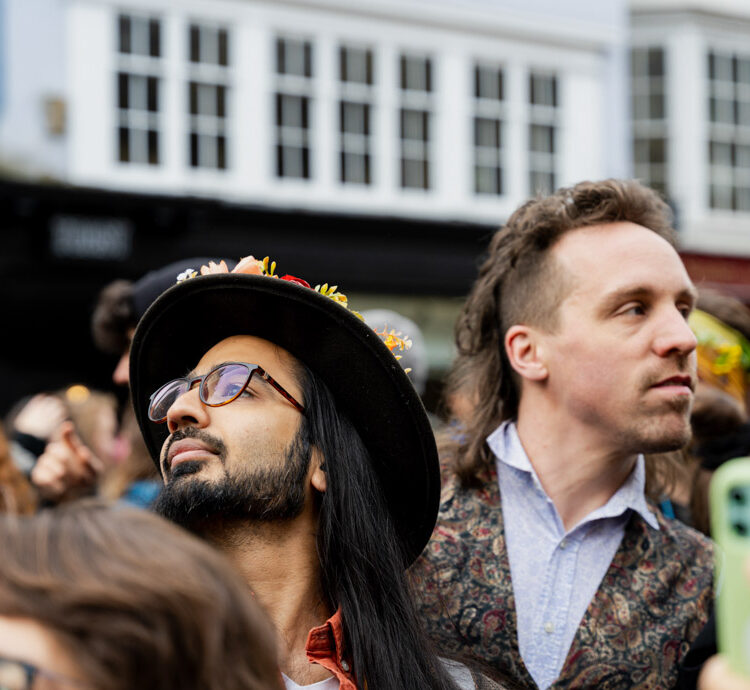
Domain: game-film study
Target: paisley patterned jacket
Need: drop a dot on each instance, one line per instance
(650, 606)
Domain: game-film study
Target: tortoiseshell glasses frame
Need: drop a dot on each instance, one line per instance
(220, 386)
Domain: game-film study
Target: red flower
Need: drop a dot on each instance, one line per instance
(299, 281)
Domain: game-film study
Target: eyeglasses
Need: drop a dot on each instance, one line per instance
(20, 675)
(218, 387)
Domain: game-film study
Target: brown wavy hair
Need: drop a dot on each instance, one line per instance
(136, 602)
(519, 282)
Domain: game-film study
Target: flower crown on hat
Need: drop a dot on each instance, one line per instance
(394, 341)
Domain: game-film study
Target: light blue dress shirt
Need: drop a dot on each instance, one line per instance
(555, 573)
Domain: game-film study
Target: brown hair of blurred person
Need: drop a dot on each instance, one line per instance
(728, 309)
(16, 494)
(521, 282)
(113, 317)
(135, 601)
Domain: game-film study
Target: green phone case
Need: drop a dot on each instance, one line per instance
(730, 527)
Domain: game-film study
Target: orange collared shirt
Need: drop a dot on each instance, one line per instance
(325, 646)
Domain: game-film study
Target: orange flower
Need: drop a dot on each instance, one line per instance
(249, 265)
(213, 267)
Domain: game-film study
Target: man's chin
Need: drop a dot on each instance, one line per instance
(668, 436)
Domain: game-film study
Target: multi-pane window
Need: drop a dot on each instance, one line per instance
(415, 121)
(355, 115)
(488, 129)
(648, 89)
(293, 107)
(138, 89)
(729, 130)
(543, 132)
(139, 36)
(208, 96)
(209, 45)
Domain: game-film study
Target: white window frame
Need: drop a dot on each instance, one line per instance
(489, 159)
(208, 143)
(358, 93)
(546, 116)
(293, 143)
(728, 150)
(137, 67)
(420, 100)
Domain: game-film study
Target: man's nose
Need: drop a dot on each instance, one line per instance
(187, 410)
(675, 336)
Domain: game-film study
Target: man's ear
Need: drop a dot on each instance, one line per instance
(318, 475)
(525, 350)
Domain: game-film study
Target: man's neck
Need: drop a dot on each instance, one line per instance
(579, 471)
(281, 566)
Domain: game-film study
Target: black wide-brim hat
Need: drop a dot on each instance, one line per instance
(367, 382)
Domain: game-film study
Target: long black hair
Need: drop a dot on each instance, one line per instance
(362, 559)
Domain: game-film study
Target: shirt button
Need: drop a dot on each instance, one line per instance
(345, 666)
(549, 628)
(564, 544)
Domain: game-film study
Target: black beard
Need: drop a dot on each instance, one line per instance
(266, 495)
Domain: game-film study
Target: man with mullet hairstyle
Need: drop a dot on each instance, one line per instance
(549, 562)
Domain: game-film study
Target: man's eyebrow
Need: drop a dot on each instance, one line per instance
(618, 297)
(191, 374)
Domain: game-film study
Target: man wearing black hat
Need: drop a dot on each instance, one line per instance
(288, 435)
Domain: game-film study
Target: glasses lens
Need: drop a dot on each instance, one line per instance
(13, 676)
(164, 398)
(225, 383)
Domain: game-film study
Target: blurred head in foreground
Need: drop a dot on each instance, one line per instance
(116, 599)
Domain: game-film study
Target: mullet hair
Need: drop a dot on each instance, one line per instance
(362, 560)
(520, 282)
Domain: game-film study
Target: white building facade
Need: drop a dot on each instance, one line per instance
(691, 116)
(416, 108)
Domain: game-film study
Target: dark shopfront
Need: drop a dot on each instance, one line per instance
(60, 245)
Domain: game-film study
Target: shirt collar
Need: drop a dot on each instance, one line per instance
(506, 445)
(325, 646)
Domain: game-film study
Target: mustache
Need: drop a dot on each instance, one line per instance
(683, 367)
(214, 444)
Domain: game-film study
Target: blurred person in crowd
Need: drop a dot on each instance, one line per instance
(119, 599)
(16, 494)
(31, 424)
(719, 415)
(299, 447)
(721, 430)
(81, 449)
(548, 561)
(719, 419)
